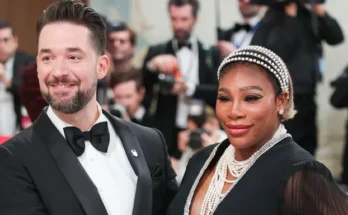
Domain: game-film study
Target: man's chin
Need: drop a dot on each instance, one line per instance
(66, 108)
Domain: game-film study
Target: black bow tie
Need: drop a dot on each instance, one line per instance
(245, 27)
(98, 135)
(183, 44)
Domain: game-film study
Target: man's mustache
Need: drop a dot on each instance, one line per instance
(62, 81)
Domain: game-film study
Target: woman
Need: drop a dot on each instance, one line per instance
(259, 169)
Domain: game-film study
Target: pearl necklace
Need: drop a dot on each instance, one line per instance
(237, 169)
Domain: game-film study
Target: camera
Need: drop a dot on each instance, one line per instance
(118, 110)
(197, 116)
(274, 2)
(195, 141)
(166, 83)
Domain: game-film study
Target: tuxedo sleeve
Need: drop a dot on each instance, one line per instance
(172, 185)
(18, 195)
(150, 78)
(208, 91)
(330, 30)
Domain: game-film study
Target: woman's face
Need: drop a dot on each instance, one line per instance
(247, 106)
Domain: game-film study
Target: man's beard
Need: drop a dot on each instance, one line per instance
(74, 104)
(185, 37)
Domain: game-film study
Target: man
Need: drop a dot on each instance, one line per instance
(129, 91)
(121, 45)
(241, 35)
(11, 64)
(178, 70)
(77, 159)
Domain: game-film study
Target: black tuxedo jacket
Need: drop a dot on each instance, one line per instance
(166, 105)
(21, 60)
(40, 174)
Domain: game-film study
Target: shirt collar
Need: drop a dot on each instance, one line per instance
(9, 63)
(139, 114)
(60, 124)
(254, 21)
(192, 39)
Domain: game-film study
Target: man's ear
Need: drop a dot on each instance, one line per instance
(103, 66)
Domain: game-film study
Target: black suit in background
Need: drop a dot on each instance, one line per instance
(40, 174)
(298, 41)
(209, 60)
(21, 60)
(147, 121)
(339, 99)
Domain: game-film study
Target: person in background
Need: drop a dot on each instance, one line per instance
(121, 46)
(241, 34)
(177, 71)
(129, 91)
(203, 130)
(339, 100)
(12, 61)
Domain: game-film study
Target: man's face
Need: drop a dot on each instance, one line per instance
(248, 10)
(182, 21)
(68, 66)
(8, 44)
(127, 94)
(120, 46)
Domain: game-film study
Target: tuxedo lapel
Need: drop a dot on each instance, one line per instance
(83, 187)
(169, 48)
(143, 195)
(202, 62)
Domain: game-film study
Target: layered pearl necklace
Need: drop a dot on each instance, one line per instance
(237, 169)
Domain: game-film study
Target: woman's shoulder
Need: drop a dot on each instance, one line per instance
(288, 150)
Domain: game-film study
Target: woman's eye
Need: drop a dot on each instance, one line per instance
(223, 98)
(252, 98)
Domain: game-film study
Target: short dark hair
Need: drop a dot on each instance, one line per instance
(4, 24)
(122, 77)
(121, 26)
(180, 3)
(74, 11)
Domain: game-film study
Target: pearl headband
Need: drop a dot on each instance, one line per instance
(263, 57)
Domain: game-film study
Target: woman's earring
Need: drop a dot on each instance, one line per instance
(281, 112)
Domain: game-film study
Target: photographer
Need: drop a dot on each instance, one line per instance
(203, 129)
(129, 92)
(178, 70)
(339, 100)
(295, 30)
(241, 34)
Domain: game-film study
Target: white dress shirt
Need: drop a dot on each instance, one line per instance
(188, 64)
(140, 113)
(7, 110)
(111, 172)
(243, 38)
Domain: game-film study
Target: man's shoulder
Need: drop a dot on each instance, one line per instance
(19, 142)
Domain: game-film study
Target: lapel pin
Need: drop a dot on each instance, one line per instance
(134, 153)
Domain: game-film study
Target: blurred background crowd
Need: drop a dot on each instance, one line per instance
(165, 55)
